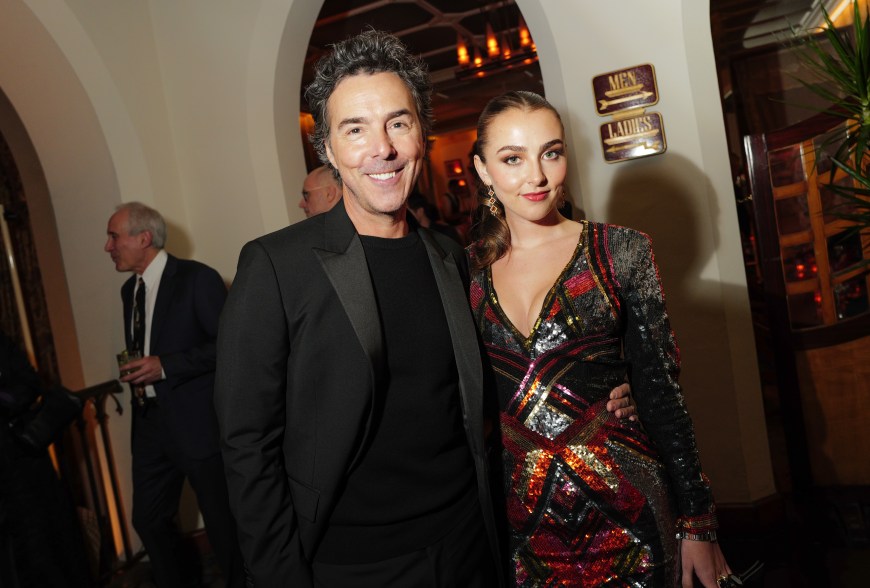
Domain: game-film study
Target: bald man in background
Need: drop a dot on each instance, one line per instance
(320, 191)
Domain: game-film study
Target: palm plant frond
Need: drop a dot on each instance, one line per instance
(855, 205)
(839, 60)
(843, 74)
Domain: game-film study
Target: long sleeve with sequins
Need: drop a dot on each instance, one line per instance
(653, 356)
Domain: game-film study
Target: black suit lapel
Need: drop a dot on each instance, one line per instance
(344, 262)
(462, 333)
(466, 348)
(349, 275)
(161, 306)
(127, 301)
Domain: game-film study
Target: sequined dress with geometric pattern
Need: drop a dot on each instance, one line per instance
(592, 500)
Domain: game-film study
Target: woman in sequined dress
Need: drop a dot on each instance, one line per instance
(567, 311)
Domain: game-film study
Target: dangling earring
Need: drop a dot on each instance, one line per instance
(493, 209)
(561, 199)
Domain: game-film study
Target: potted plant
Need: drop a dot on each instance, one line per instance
(843, 81)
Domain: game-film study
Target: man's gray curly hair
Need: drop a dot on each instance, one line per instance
(143, 218)
(370, 52)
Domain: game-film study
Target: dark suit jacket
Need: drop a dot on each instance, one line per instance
(19, 383)
(183, 333)
(300, 351)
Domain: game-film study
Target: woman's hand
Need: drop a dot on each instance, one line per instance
(703, 559)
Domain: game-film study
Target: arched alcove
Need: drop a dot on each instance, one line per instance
(68, 176)
(276, 61)
(51, 327)
(77, 153)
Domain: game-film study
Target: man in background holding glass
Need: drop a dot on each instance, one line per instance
(171, 310)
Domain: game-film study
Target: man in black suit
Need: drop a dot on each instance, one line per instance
(349, 381)
(171, 311)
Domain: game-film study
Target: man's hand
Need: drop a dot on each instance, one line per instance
(145, 371)
(620, 403)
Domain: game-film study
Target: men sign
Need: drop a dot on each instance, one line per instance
(625, 94)
(625, 89)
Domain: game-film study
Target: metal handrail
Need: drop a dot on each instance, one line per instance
(98, 395)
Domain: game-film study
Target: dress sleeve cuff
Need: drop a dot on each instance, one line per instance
(704, 523)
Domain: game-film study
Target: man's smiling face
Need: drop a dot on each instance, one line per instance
(376, 143)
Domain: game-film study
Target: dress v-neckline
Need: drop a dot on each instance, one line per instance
(526, 340)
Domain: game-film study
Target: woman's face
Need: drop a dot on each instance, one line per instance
(525, 163)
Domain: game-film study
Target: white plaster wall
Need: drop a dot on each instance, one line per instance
(749, 422)
(203, 48)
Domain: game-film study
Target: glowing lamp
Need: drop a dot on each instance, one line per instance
(525, 36)
(491, 42)
(462, 51)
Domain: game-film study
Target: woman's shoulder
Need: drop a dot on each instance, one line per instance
(621, 248)
(610, 231)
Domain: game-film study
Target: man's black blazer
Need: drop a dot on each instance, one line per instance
(183, 333)
(299, 351)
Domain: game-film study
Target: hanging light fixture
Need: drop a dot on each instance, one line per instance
(478, 60)
(462, 51)
(491, 42)
(503, 49)
(525, 36)
(505, 46)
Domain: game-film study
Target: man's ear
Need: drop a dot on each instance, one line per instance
(145, 239)
(481, 170)
(333, 193)
(329, 154)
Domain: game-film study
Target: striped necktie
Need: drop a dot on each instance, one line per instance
(139, 318)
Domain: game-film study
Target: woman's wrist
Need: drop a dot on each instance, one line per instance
(699, 527)
(708, 536)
